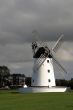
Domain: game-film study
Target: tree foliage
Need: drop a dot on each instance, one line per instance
(4, 73)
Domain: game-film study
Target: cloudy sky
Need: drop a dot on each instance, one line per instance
(51, 18)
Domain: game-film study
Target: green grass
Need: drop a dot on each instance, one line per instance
(10, 100)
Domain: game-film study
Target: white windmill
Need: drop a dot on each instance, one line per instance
(43, 78)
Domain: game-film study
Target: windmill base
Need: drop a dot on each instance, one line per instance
(42, 89)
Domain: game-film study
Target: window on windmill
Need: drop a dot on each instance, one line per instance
(48, 71)
(47, 61)
(49, 80)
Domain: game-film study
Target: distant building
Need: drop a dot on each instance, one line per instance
(17, 79)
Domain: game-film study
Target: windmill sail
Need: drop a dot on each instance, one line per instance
(58, 44)
(42, 52)
(59, 65)
(40, 61)
(49, 53)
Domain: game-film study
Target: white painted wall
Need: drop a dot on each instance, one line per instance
(41, 76)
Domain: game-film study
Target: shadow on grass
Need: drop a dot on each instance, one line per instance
(15, 92)
(70, 106)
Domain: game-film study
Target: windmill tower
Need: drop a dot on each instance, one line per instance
(43, 71)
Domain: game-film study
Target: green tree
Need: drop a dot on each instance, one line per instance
(4, 73)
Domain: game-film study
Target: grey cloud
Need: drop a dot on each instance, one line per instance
(19, 18)
(15, 53)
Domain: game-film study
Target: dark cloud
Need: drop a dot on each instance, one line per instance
(50, 18)
(18, 18)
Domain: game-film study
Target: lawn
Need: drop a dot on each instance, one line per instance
(11, 100)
